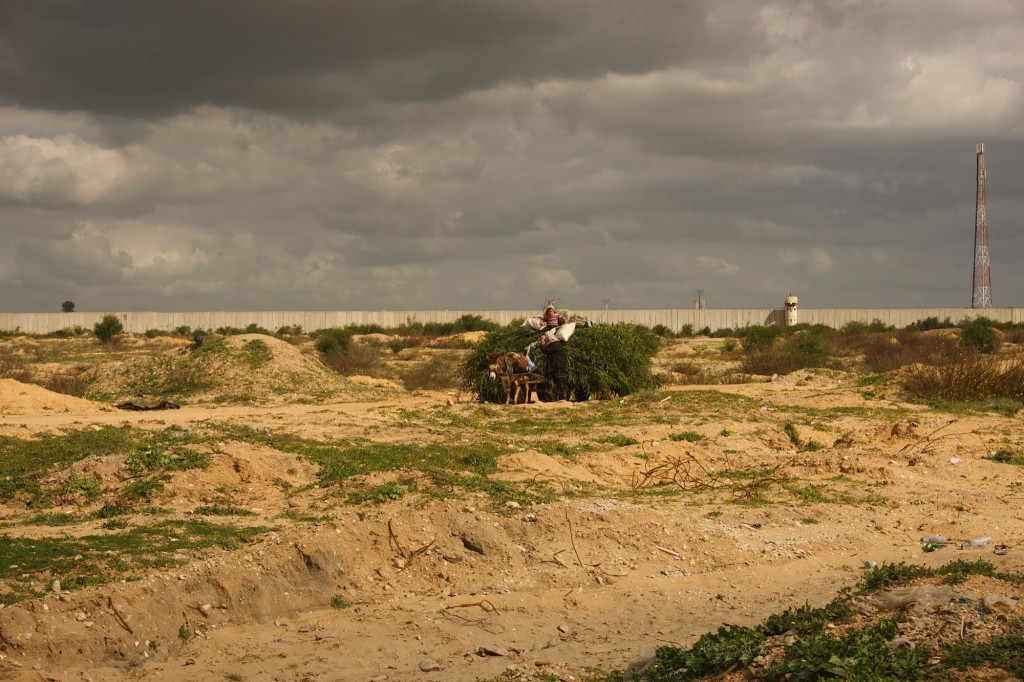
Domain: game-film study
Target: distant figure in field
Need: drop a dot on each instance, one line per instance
(552, 318)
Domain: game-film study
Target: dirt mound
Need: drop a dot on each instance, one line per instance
(248, 368)
(19, 398)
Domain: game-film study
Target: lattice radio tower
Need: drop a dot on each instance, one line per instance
(981, 291)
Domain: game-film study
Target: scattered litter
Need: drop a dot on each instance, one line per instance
(920, 596)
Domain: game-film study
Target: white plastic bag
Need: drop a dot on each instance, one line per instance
(565, 331)
(536, 323)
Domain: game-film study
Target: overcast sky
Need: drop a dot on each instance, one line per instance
(468, 154)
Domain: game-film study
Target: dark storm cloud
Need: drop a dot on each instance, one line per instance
(128, 58)
(256, 154)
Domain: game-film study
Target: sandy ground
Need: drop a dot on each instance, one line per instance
(590, 580)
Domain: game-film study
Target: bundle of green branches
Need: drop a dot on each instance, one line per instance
(605, 360)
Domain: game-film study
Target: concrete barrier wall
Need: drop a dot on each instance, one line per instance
(673, 318)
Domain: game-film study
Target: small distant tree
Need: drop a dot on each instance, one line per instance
(108, 328)
(979, 334)
(68, 306)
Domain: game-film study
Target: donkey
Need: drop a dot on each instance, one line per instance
(514, 371)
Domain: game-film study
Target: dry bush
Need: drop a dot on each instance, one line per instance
(968, 376)
(690, 373)
(775, 360)
(358, 359)
(182, 375)
(1013, 335)
(453, 342)
(74, 381)
(887, 352)
(438, 374)
(13, 366)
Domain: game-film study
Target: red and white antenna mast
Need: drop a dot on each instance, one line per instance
(981, 291)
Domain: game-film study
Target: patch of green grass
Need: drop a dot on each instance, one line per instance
(59, 519)
(793, 434)
(812, 494)
(218, 510)
(830, 414)
(107, 557)
(711, 653)
(28, 461)
(339, 601)
(144, 489)
(386, 492)
(300, 516)
(556, 448)
(863, 652)
(256, 353)
(686, 436)
(958, 570)
(75, 484)
(500, 492)
(338, 460)
(1005, 652)
(618, 440)
(805, 620)
(1005, 456)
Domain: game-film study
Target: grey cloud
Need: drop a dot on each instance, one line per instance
(493, 154)
(317, 55)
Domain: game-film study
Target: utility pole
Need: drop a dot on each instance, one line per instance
(981, 290)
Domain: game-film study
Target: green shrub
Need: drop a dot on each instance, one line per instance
(760, 338)
(980, 335)
(107, 328)
(813, 347)
(929, 323)
(66, 332)
(855, 328)
(251, 328)
(333, 341)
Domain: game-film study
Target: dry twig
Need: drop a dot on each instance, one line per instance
(407, 557)
(488, 608)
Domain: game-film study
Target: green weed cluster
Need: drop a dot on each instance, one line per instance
(94, 559)
(859, 653)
